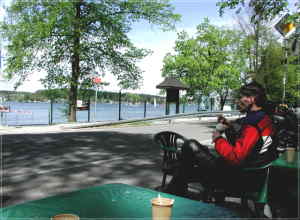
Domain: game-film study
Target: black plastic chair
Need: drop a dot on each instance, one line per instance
(171, 143)
(252, 185)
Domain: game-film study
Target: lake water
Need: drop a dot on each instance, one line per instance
(38, 113)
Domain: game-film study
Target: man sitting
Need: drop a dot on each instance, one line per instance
(251, 147)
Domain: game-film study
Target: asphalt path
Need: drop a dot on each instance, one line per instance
(37, 165)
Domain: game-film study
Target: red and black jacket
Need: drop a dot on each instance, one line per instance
(253, 146)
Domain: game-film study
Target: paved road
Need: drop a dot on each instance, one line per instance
(36, 165)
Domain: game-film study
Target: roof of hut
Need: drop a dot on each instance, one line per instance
(171, 83)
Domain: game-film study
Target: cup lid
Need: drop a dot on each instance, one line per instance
(65, 216)
(160, 201)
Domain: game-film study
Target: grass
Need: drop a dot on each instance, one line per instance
(138, 123)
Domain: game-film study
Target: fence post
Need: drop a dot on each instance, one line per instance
(198, 105)
(2, 119)
(89, 109)
(145, 108)
(51, 112)
(120, 102)
(167, 108)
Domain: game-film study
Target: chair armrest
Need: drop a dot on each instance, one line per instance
(166, 148)
(257, 168)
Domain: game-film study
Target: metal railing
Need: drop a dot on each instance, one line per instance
(167, 117)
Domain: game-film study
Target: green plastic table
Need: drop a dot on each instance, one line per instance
(281, 162)
(117, 201)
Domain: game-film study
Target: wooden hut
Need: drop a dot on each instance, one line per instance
(172, 85)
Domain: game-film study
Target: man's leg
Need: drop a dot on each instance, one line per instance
(196, 164)
(197, 154)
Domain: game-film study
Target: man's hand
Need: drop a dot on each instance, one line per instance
(215, 135)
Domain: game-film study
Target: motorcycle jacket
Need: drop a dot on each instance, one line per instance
(253, 145)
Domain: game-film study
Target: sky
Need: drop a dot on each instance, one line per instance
(151, 37)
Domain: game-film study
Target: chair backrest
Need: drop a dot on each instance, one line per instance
(171, 143)
(169, 140)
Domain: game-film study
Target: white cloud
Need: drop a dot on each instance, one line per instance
(228, 23)
(2, 13)
(32, 83)
(151, 65)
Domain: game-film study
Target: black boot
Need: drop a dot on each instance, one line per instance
(177, 187)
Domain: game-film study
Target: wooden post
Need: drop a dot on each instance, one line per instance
(145, 108)
(167, 108)
(177, 106)
(211, 104)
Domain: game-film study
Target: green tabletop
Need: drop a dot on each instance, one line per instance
(116, 201)
(281, 162)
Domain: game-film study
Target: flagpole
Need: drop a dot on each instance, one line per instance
(96, 95)
(285, 72)
(97, 81)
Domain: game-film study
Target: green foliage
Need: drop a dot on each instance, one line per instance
(61, 95)
(71, 39)
(209, 62)
(16, 96)
(263, 9)
(272, 71)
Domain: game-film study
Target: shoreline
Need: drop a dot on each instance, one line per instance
(78, 126)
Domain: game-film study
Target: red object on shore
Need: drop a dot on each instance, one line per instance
(97, 80)
(4, 108)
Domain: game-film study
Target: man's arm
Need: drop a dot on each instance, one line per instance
(235, 154)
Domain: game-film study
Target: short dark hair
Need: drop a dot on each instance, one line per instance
(256, 90)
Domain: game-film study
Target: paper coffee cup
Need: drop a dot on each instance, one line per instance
(220, 127)
(65, 217)
(290, 154)
(162, 208)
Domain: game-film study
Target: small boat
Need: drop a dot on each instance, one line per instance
(81, 106)
(4, 108)
(154, 102)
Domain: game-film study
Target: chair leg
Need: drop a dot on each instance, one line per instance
(259, 209)
(244, 202)
(164, 180)
(207, 195)
(219, 197)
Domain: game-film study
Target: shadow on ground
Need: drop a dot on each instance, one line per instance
(39, 165)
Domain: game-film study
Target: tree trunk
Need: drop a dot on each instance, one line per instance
(223, 98)
(75, 66)
(199, 100)
(256, 63)
(222, 103)
(73, 96)
(250, 61)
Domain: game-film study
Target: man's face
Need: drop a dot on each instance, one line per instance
(240, 106)
(246, 102)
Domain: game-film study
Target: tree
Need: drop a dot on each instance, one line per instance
(271, 73)
(270, 61)
(264, 9)
(72, 39)
(256, 37)
(209, 62)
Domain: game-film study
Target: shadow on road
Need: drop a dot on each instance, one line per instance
(40, 165)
